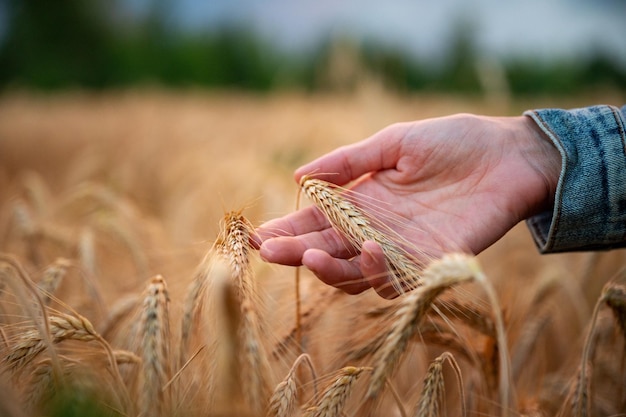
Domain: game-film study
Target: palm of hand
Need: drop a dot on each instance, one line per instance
(460, 183)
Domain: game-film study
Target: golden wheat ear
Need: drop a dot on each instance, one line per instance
(438, 276)
(579, 399)
(433, 390)
(356, 226)
(194, 304)
(155, 349)
(234, 246)
(614, 295)
(283, 400)
(333, 399)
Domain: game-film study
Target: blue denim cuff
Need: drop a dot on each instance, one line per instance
(590, 202)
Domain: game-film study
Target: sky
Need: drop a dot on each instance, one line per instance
(538, 28)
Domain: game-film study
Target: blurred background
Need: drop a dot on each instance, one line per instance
(522, 47)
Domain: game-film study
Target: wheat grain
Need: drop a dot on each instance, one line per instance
(125, 357)
(438, 276)
(351, 222)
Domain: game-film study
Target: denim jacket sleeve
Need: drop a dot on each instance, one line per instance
(589, 210)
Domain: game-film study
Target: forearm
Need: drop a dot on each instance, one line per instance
(590, 201)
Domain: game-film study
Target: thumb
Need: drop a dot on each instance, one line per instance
(347, 163)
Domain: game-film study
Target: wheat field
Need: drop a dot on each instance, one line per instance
(128, 286)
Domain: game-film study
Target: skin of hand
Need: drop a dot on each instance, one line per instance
(460, 182)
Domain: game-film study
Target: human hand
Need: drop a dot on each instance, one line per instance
(460, 182)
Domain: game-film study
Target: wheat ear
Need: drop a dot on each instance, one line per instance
(614, 295)
(334, 397)
(438, 276)
(233, 244)
(351, 222)
(194, 303)
(52, 277)
(43, 328)
(42, 382)
(433, 390)
(154, 330)
(62, 327)
(283, 400)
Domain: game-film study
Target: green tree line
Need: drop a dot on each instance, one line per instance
(80, 44)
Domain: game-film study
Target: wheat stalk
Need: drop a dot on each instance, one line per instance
(4, 338)
(438, 276)
(352, 222)
(154, 330)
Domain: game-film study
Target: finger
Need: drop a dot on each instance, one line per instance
(288, 250)
(374, 268)
(348, 163)
(303, 221)
(340, 273)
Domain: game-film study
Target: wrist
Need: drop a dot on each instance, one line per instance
(544, 158)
